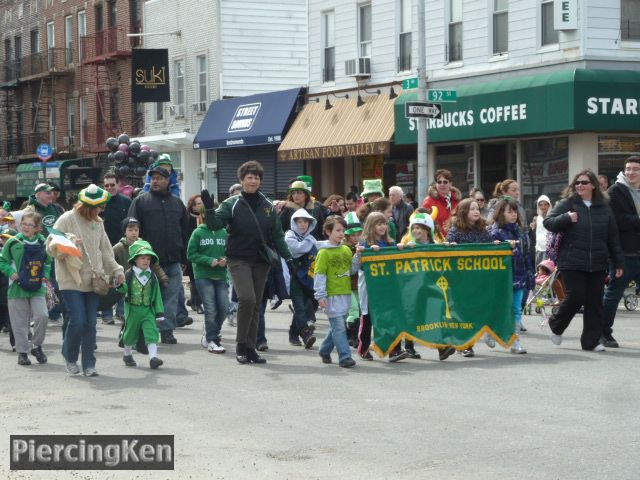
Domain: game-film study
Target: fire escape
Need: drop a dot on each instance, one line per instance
(29, 86)
(102, 55)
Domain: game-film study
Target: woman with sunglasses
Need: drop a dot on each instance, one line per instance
(478, 196)
(444, 196)
(590, 237)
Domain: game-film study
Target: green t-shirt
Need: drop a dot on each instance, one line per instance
(335, 264)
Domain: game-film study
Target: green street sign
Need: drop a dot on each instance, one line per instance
(442, 95)
(410, 83)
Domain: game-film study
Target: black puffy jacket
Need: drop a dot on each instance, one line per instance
(587, 244)
(164, 224)
(624, 209)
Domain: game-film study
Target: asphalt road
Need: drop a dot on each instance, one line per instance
(554, 413)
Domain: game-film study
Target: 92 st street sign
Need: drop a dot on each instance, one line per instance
(422, 110)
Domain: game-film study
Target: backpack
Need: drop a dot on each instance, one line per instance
(31, 268)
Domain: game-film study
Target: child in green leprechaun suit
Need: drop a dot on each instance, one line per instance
(143, 305)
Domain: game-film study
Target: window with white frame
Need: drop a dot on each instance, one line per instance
(159, 111)
(364, 30)
(548, 34)
(178, 71)
(454, 45)
(51, 43)
(404, 39)
(201, 75)
(82, 32)
(71, 121)
(500, 26)
(68, 38)
(328, 47)
(630, 20)
(84, 120)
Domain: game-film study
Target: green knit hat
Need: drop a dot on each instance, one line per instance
(141, 247)
(372, 186)
(94, 196)
(164, 159)
(353, 223)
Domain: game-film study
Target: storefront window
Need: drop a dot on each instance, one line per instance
(612, 152)
(545, 170)
(458, 159)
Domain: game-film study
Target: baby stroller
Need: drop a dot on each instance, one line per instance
(631, 295)
(548, 292)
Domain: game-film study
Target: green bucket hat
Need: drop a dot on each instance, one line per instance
(164, 159)
(372, 186)
(141, 247)
(94, 196)
(299, 186)
(353, 223)
(308, 180)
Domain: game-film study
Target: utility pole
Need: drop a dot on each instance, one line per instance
(423, 167)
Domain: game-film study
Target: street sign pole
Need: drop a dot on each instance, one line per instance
(423, 161)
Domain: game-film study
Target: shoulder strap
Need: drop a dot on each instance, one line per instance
(256, 220)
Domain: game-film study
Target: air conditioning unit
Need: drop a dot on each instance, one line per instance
(172, 110)
(68, 141)
(199, 107)
(358, 67)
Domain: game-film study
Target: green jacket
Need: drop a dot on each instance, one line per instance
(204, 247)
(244, 239)
(10, 262)
(49, 213)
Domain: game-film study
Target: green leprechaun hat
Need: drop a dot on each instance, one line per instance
(94, 196)
(372, 186)
(141, 247)
(353, 223)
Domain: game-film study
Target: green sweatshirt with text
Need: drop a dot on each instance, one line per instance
(204, 247)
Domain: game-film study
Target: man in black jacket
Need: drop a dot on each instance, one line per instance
(115, 210)
(624, 196)
(401, 211)
(164, 224)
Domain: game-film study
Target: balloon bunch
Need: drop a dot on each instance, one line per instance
(129, 156)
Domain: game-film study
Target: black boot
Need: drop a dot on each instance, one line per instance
(253, 356)
(39, 354)
(410, 349)
(23, 359)
(241, 353)
(167, 338)
(308, 338)
(293, 337)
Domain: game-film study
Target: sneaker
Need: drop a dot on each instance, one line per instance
(167, 338)
(517, 348)
(489, 340)
(411, 353)
(39, 354)
(468, 352)
(444, 353)
(599, 348)
(609, 342)
(325, 358)
(253, 356)
(556, 339)
(308, 337)
(129, 361)
(23, 359)
(184, 322)
(215, 347)
(367, 356)
(295, 341)
(262, 347)
(348, 363)
(90, 372)
(108, 321)
(397, 355)
(154, 363)
(72, 368)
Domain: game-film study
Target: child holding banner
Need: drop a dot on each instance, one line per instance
(375, 235)
(507, 228)
(332, 285)
(352, 236)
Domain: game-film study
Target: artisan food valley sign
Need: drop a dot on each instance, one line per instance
(336, 151)
(584, 100)
(150, 73)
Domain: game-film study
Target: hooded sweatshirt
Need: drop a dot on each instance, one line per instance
(300, 242)
(50, 213)
(204, 247)
(635, 193)
(541, 232)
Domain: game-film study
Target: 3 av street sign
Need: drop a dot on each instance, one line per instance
(422, 110)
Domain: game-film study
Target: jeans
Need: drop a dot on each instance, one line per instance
(215, 300)
(261, 338)
(181, 313)
(518, 295)
(170, 295)
(582, 288)
(303, 310)
(81, 329)
(336, 337)
(615, 291)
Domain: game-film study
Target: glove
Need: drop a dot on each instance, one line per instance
(207, 199)
(292, 269)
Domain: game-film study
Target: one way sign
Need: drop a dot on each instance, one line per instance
(422, 110)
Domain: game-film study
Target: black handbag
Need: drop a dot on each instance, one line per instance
(268, 254)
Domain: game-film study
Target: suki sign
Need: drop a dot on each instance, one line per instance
(244, 117)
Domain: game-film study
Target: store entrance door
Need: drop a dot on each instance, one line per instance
(497, 163)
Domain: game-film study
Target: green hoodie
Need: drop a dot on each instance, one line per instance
(49, 214)
(204, 247)
(10, 260)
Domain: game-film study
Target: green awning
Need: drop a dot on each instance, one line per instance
(28, 175)
(564, 101)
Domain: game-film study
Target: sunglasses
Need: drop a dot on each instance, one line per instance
(442, 182)
(582, 182)
(109, 185)
(479, 199)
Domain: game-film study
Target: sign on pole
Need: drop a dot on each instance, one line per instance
(422, 110)
(44, 151)
(437, 95)
(410, 83)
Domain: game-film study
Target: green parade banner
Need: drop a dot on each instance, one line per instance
(440, 295)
